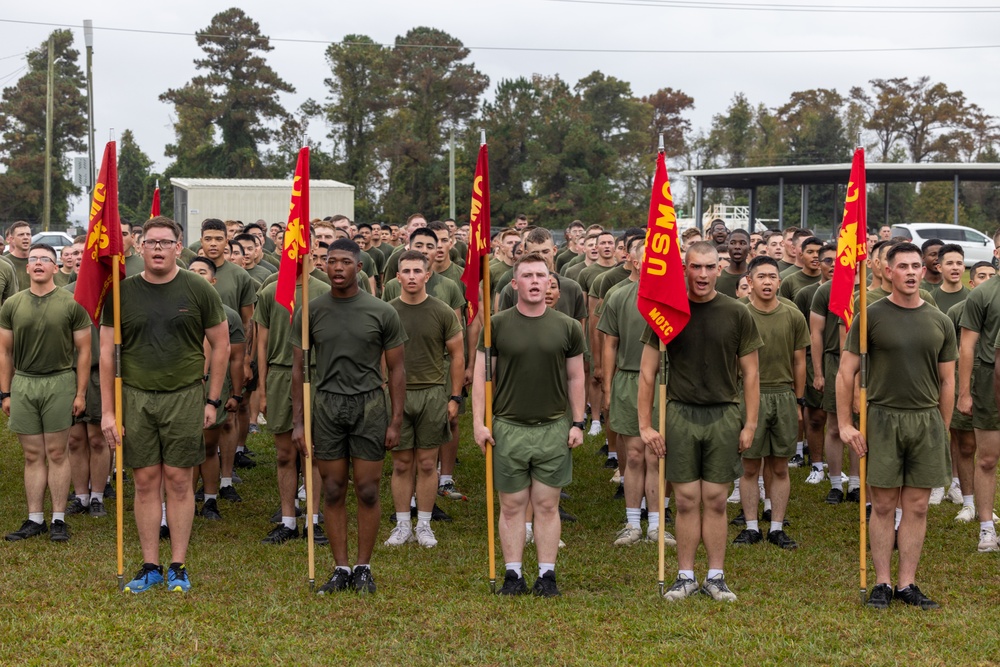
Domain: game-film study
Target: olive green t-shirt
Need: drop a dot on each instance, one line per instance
(530, 381)
(368, 264)
(783, 331)
(784, 266)
(259, 274)
(590, 274)
(265, 264)
(804, 298)
(795, 281)
(571, 301)
(237, 335)
(929, 286)
(982, 315)
(348, 337)
(276, 320)
(831, 331)
(578, 259)
(727, 283)
(235, 286)
(429, 325)
(607, 280)
(621, 318)
(905, 346)
(95, 335)
(784, 273)
(573, 272)
(503, 281)
(454, 273)
(8, 281)
(187, 255)
(134, 264)
(704, 356)
(163, 330)
(437, 286)
(43, 328)
(392, 263)
(879, 293)
(563, 258)
(20, 265)
(945, 300)
(62, 279)
(497, 269)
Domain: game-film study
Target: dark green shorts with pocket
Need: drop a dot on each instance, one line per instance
(814, 397)
(703, 442)
(531, 452)
(350, 426)
(984, 407)
(907, 448)
(42, 403)
(163, 427)
(777, 425)
(425, 419)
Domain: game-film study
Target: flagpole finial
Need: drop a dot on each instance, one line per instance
(111, 134)
(482, 136)
(660, 147)
(157, 184)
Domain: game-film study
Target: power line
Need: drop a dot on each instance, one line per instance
(16, 55)
(542, 49)
(776, 7)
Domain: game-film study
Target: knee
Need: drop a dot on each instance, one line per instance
(333, 491)
(884, 506)
(76, 444)
(686, 504)
(715, 503)
(427, 467)
(286, 457)
(402, 465)
(367, 493)
(779, 472)
(635, 458)
(57, 455)
(966, 449)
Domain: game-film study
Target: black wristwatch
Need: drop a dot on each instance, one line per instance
(237, 397)
(4, 394)
(580, 424)
(217, 403)
(457, 399)
(801, 401)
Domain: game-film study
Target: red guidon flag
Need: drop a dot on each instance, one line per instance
(479, 233)
(852, 243)
(296, 235)
(154, 210)
(662, 299)
(104, 248)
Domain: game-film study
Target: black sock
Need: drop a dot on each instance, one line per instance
(149, 567)
(176, 566)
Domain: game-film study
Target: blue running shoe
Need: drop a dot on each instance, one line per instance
(144, 580)
(177, 579)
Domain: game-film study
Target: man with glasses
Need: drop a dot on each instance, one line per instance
(166, 315)
(44, 333)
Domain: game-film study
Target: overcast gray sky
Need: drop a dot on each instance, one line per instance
(132, 68)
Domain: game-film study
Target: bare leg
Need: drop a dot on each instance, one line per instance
(689, 522)
(985, 478)
(148, 496)
(713, 522)
(780, 487)
(749, 491)
(512, 512)
(547, 526)
(79, 459)
(180, 509)
(912, 529)
(35, 472)
(367, 475)
(286, 472)
(427, 480)
(881, 534)
(100, 458)
(57, 454)
(964, 458)
(334, 476)
(402, 479)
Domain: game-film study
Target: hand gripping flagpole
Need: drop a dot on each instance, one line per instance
(662, 486)
(488, 416)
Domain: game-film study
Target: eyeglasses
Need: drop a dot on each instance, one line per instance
(827, 260)
(41, 260)
(150, 244)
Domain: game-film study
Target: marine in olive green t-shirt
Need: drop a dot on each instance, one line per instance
(784, 331)
(8, 281)
(982, 315)
(621, 318)
(275, 318)
(727, 283)
(43, 328)
(795, 281)
(945, 300)
(429, 325)
(571, 300)
(235, 286)
(20, 266)
(438, 286)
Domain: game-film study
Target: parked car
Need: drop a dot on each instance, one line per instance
(978, 247)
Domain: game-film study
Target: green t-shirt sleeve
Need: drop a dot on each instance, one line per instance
(455, 297)
(749, 336)
(853, 342)
(248, 295)
(574, 345)
(801, 331)
(453, 327)
(608, 322)
(580, 307)
(7, 316)
(949, 351)
(81, 320)
(212, 312)
(236, 332)
(262, 313)
(649, 337)
(975, 311)
(393, 334)
(505, 299)
(820, 302)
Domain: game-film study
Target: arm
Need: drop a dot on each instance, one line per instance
(81, 341)
(817, 323)
(966, 357)
(237, 352)
(475, 327)
(298, 410)
(799, 384)
(397, 394)
(648, 367)
(610, 364)
(218, 338)
(596, 345)
(262, 335)
(576, 380)
(109, 424)
(946, 371)
(849, 365)
(456, 350)
(6, 365)
(751, 398)
(480, 432)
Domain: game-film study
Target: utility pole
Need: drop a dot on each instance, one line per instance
(49, 103)
(451, 175)
(88, 38)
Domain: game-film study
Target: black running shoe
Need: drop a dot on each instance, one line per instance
(545, 585)
(109, 492)
(611, 463)
(780, 539)
(566, 516)
(243, 461)
(210, 510)
(164, 533)
(276, 517)
(513, 584)
(911, 595)
(796, 461)
(76, 506)
(364, 582)
(437, 514)
(280, 534)
(28, 529)
(835, 497)
(853, 496)
(603, 451)
(564, 496)
(747, 537)
(620, 492)
(766, 516)
(230, 494)
(59, 531)
(739, 520)
(880, 596)
(319, 535)
(644, 514)
(199, 495)
(668, 516)
(339, 581)
(96, 508)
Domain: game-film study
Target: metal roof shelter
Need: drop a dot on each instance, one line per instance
(750, 178)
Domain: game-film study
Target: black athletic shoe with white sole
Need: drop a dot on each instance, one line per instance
(513, 584)
(911, 595)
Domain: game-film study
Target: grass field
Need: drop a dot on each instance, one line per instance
(250, 604)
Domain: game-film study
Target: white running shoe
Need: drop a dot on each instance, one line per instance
(529, 535)
(937, 495)
(617, 479)
(680, 589)
(653, 535)
(734, 497)
(966, 514)
(425, 536)
(988, 541)
(628, 535)
(261, 420)
(955, 495)
(561, 544)
(595, 428)
(762, 494)
(400, 535)
(844, 479)
(302, 493)
(815, 476)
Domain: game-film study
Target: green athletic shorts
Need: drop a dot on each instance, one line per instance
(220, 414)
(538, 452)
(350, 426)
(777, 425)
(624, 408)
(163, 427)
(907, 448)
(42, 403)
(425, 419)
(279, 399)
(703, 442)
(92, 415)
(814, 397)
(984, 407)
(831, 364)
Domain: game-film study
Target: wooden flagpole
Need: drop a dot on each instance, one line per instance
(116, 296)
(487, 307)
(661, 538)
(863, 422)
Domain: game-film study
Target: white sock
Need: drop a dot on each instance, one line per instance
(968, 501)
(752, 525)
(368, 565)
(99, 497)
(36, 517)
(163, 514)
(818, 466)
(545, 567)
(424, 517)
(413, 502)
(715, 573)
(315, 519)
(798, 447)
(344, 568)
(613, 455)
(767, 504)
(685, 574)
(666, 502)
(955, 484)
(59, 516)
(899, 517)
(444, 479)
(84, 498)
(240, 448)
(527, 527)
(226, 481)
(853, 483)
(296, 501)
(288, 522)
(654, 520)
(211, 496)
(514, 566)
(632, 515)
(403, 517)
(736, 484)
(988, 526)
(837, 483)
(775, 526)
(642, 503)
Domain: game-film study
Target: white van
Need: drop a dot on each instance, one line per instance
(978, 247)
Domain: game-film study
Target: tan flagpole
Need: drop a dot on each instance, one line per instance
(661, 538)
(487, 307)
(119, 461)
(863, 422)
(307, 407)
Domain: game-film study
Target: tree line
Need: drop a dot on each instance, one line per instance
(559, 151)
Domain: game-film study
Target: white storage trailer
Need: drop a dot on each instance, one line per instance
(196, 199)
